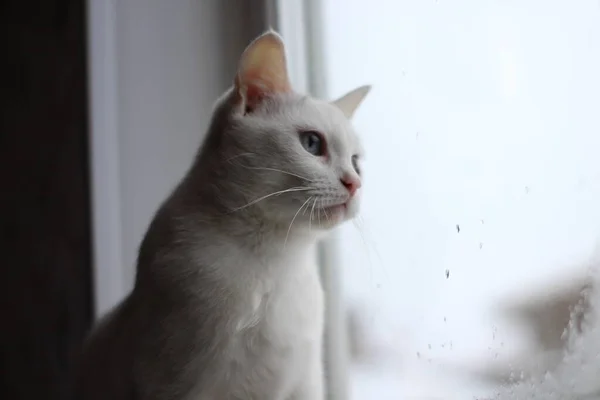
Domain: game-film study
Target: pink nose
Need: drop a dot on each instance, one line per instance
(351, 183)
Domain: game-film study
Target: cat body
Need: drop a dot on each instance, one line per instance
(250, 336)
(227, 302)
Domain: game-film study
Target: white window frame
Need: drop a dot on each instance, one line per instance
(105, 172)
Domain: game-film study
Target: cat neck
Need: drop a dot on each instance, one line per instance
(230, 246)
(197, 208)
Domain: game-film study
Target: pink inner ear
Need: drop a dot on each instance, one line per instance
(254, 95)
(262, 71)
(261, 84)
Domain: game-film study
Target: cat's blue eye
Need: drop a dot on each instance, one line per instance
(313, 142)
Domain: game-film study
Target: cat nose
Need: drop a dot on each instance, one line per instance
(351, 183)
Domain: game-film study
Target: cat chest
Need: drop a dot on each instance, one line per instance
(283, 311)
(278, 330)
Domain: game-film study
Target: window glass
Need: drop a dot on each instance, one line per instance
(481, 200)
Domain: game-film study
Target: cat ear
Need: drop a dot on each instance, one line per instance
(350, 101)
(262, 70)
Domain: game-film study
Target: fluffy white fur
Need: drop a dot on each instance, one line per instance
(227, 302)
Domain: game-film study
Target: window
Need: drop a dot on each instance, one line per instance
(480, 213)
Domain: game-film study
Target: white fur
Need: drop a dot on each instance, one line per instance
(227, 302)
(283, 306)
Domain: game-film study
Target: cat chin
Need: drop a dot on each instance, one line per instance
(314, 222)
(334, 216)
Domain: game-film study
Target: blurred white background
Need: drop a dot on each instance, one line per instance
(482, 177)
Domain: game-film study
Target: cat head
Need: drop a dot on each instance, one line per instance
(292, 158)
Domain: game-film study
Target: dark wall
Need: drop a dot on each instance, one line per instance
(45, 273)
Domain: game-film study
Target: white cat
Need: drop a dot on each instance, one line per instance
(227, 302)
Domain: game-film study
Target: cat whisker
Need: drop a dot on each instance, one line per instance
(278, 170)
(306, 209)
(326, 215)
(321, 208)
(357, 222)
(311, 214)
(319, 213)
(280, 192)
(293, 219)
(370, 248)
(239, 155)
